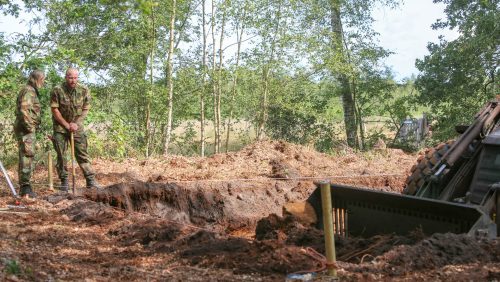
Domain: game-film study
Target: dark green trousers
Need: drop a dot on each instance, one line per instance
(61, 143)
(26, 144)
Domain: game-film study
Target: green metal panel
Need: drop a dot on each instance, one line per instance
(370, 212)
(487, 173)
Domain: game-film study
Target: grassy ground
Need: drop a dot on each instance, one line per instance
(188, 133)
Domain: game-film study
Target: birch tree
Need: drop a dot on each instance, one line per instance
(170, 81)
(240, 25)
(337, 37)
(273, 30)
(149, 95)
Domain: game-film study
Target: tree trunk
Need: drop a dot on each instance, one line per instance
(219, 76)
(214, 84)
(359, 120)
(266, 73)
(239, 39)
(149, 95)
(347, 97)
(263, 103)
(170, 81)
(203, 83)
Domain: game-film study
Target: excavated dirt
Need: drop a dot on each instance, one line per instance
(220, 218)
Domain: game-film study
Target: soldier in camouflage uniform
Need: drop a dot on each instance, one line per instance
(28, 118)
(70, 103)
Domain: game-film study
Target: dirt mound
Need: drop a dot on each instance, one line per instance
(263, 159)
(267, 257)
(91, 212)
(282, 248)
(163, 199)
(149, 231)
(233, 207)
(217, 218)
(289, 231)
(443, 249)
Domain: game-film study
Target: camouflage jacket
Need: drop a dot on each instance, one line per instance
(71, 103)
(28, 111)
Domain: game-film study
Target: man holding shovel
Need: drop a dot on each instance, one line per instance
(70, 103)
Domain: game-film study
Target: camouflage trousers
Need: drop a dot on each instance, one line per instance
(61, 143)
(26, 144)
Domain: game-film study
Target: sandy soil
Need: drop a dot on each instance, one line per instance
(219, 218)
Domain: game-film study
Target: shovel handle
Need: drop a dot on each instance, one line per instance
(11, 186)
(72, 143)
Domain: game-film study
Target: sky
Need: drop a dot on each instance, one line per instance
(405, 31)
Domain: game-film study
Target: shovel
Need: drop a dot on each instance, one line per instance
(12, 189)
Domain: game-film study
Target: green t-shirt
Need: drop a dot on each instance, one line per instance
(71, 103)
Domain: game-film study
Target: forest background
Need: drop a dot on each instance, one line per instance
(198, 77)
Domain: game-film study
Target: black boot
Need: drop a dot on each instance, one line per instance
(27, 191)
(64, 185)
(92, 183)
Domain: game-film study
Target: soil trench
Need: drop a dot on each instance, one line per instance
(220, 218)
(230, 206)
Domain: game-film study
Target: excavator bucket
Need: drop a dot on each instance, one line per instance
(365, 213)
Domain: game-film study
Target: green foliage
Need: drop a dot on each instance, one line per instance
(8, 7)
(459, 76)
(10, 80)
(108, 136)
(299, 114)
(401, 103)
(340, 43)
(373, 136)
(186, 143)
(303, 128)
(146, 6)
(290, 56)
(291, 125)
(12, 267)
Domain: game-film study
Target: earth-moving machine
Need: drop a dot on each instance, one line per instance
(454, 188)
(412, 133)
